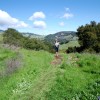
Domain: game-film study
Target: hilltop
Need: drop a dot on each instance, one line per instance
(63, 36)
(32, 35)
(28, 34)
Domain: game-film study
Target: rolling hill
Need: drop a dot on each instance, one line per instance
(62, 36)
(27, 34)
(32, 35)
(1, 31)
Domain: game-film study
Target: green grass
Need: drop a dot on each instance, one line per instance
(69, 44)
(76, 78)
(23, 84)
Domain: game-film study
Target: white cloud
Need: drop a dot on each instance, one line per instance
(37, 15)
(7, 21)
(67, 15)
(61, 23)
(39, 24)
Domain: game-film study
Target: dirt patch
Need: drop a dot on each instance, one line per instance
(57, 60)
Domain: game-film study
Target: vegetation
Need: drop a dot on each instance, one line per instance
(28, 73)
(32, 35)
(1, 38)
(13, 37)
(63, 37)
(77, 77)
(89, 36)
(65, 46)
(30, 76)
(5, 54)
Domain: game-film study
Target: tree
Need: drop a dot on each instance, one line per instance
(89, 36)
(12, 37)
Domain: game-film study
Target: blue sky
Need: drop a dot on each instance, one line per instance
(47, 16)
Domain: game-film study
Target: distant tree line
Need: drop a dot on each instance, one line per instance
(13, 37)
(88, 38)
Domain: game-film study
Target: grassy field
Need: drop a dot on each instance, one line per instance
(35, 78)
(64, 47)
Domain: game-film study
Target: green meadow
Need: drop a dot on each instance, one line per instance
(64, 47)
(77, 77)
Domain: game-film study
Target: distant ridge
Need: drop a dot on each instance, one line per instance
(32, 35)
(62, 36)
(1, 30)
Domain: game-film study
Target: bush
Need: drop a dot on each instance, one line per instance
(72, 49)
(89, 36)
(14, 38)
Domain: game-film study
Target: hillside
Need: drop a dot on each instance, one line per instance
(29, 75)
(65, 46)
(63, 36)
(1, 31)
(32, 35)
(27, 34)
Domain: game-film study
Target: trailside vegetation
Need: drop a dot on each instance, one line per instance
(88, 38)
(15, 38)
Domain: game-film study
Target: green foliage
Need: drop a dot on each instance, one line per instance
(89, 36)
(71, 49)
(34, 44)
(13, 37)
(76, 78)
(1, 38)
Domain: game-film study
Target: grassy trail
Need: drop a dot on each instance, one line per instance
(43, 83)
(76, 77)
(45, 78)
(38, 72)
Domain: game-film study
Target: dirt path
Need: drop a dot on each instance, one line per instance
(57, 60)
(44, 82)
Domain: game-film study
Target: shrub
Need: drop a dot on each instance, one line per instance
(89, 36)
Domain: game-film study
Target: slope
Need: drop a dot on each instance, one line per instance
(77, 77)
